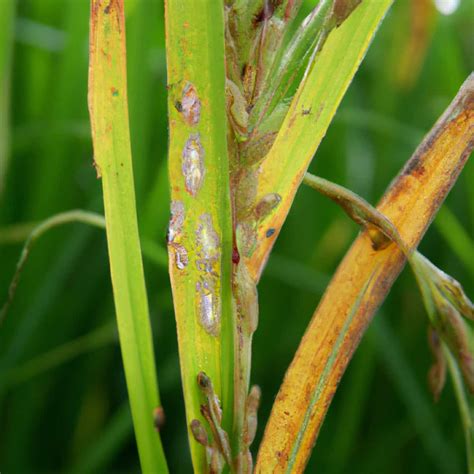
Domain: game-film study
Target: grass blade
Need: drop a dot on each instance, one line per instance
(7, 16)
(97, 338)
(102, 450)
(456, 236)
(90, 218)
(67, 256)
(110, 130)
(66, 93)
(360, 285)
(310, 114)
(466, 409)
(200, 235)
(411, 392)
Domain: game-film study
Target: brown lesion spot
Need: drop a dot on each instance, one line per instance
(414, 167)
(97, 169)
(159, 418)
(109, 7)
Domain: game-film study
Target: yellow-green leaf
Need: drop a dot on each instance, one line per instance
(110, 130)
(200, 232)
(310, 114)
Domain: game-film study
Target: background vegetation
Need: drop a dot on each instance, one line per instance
(67, 410)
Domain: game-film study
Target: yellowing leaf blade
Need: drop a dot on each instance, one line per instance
(109, 119)
(359, 286)
(310, 115)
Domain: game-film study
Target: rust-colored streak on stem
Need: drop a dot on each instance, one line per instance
(359, 286)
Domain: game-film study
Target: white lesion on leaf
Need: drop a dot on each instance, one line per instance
(208, 245)
(189, 106)
(175, 232)
(208, 303)
(193, 164)
(208, 255)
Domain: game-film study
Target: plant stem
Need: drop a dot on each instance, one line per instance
(359, 210)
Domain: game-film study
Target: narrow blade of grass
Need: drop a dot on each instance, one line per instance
(456, 236)
(99, 337)
(410, 391)
(142, 28)
(90, 218)
(7, 15)
(65, 88)
(23, 231)
(48, 291)
(310, 114)
(102, 450)
(465, 405)
(360, 285)
(200, 235)
(110, 130)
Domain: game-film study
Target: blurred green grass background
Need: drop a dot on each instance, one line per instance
(63, 405)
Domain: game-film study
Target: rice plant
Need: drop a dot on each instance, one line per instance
(203, 122)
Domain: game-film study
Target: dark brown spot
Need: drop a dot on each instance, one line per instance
(199, 432)
(159, 418)
(266, 12)
(343, 8)
(269, 232)
(259, 17)
(235, 255)
(379, 240)
(203, 380)
(412, 166)
(108, 7)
